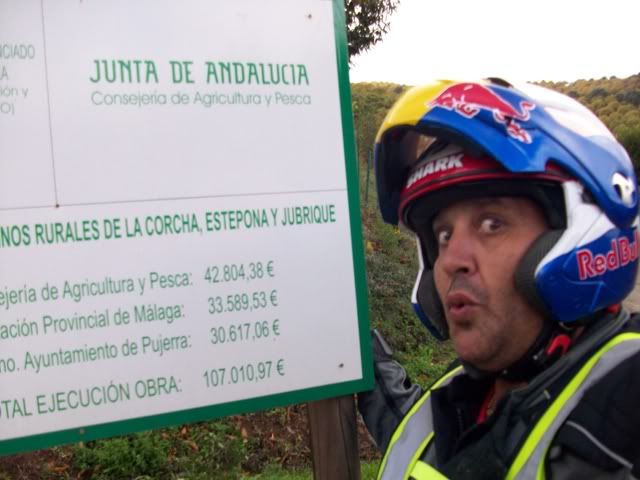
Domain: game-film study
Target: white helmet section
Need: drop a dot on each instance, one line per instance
(567, 111)
(585, 224)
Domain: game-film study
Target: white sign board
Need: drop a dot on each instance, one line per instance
(179, 222)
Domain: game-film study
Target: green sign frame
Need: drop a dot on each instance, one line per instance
(111, 429)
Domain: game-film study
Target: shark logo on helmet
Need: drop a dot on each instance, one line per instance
(468, 99)
(435, 166)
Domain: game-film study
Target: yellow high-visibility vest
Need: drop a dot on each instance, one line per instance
(402, 460)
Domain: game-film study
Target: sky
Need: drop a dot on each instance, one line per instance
(559, 40)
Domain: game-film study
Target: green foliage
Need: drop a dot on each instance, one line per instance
(391, 266)
(370, 103)
(629, 136)
(214, 447)
(368, 471)
(367, 21)
(276, 472)
(632, 97)
(124, 457)
(202, 451)
(597, 92)
(428, 361)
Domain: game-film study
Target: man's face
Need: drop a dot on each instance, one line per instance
(481, 242)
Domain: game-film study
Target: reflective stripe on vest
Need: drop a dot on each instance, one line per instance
(402, 459)
(412, 435)
(529, 463)
(424, 471)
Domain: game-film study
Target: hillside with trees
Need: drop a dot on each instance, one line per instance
(616, 101)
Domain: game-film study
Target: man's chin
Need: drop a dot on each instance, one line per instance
(471, 352)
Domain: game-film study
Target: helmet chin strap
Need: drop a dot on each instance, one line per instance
(552, 342)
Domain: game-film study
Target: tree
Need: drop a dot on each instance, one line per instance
(629, 136)
(367, 22)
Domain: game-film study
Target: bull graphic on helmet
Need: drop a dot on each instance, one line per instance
(468, 99)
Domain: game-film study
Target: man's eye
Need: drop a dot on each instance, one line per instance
(442, 237)
(490, 224)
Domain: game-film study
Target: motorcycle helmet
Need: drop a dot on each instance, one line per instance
(452, 140)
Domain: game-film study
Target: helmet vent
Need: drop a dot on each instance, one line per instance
(625, 188)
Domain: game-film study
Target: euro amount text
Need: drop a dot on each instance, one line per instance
(242, 302)
(247, 373)
(239, 272)
(242, 332)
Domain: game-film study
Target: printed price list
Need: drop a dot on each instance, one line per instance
(233, 316)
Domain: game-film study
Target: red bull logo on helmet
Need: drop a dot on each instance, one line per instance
(468, 99)
(623, 252)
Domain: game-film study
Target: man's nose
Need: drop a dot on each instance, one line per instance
(458, 256)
